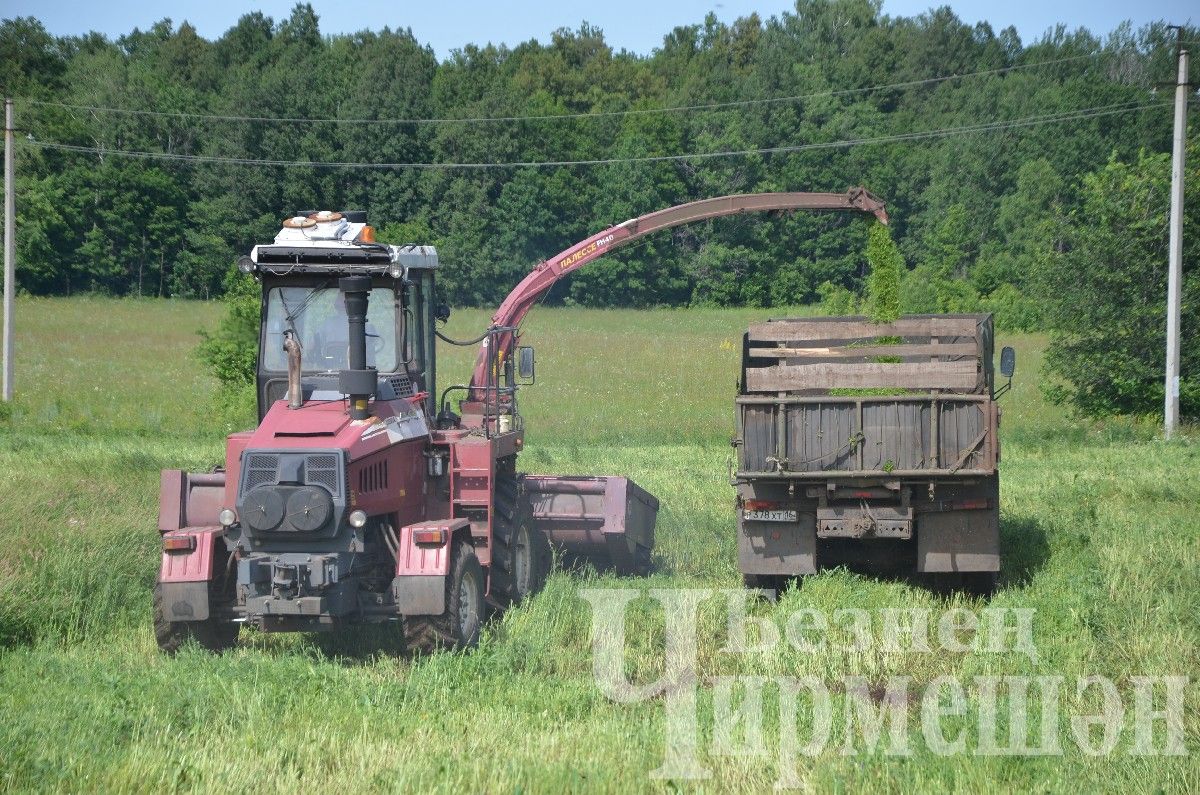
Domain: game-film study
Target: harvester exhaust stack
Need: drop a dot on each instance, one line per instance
(358, 382)
(295, 392)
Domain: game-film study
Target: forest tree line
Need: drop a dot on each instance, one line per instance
(1000, 220)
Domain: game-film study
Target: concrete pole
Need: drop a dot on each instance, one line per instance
(1175, 260)
(10, 248)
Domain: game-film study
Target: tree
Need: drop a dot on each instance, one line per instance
(969, 210)
(1105, 292)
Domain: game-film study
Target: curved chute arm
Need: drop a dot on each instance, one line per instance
(547, 272)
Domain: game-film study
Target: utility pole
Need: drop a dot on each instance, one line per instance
(10, 248)
(1175, 260)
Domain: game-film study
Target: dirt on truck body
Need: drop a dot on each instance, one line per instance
(869, 445)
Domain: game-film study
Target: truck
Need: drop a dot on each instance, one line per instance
(871, 446)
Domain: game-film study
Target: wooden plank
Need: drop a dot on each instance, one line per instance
(916, 375)
(844, 352)
(792, 330)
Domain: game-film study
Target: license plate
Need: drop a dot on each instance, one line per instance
(770, 516)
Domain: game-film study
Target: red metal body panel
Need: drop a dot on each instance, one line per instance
(234, 446)
(194, 566)
(325, 424)
(605, 519)
(425, 559)
(391, 481)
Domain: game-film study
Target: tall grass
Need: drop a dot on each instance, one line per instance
(1099, 536)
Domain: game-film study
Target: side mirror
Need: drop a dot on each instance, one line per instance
(525, 363)
(442, 312)
(1008, 361)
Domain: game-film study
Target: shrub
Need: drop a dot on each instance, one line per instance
(230, 353)
(837, 300)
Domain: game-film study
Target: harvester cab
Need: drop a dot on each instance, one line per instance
(303, 298)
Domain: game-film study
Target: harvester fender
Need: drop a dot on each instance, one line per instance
(189, 499)
(186, 571)
(422, 563)
(191, 562)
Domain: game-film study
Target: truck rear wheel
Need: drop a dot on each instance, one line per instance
(972, 583)
(775, 583)
(458, 627)
(210, 634)
(520, 553)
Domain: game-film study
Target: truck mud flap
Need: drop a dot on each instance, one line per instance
(950, 541)
(608, 521)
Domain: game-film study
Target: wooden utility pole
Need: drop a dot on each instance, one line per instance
(1175, 259)
(10, 248)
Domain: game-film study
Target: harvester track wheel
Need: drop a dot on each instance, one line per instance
(210, 634)
(521, 554)
(458, 627)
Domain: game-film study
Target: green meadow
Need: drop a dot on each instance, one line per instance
(1100, 533)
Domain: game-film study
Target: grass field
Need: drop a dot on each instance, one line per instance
(1099, 527)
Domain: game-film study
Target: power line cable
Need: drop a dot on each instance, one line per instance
(1083, 113)
(557, 117)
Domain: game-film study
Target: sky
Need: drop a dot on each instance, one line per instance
(635, 25)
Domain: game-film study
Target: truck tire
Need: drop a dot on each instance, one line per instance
(775, 583)
(520, 553)
(458, 627)
(972, 583)
(210, 634)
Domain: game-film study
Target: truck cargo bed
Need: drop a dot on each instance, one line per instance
(833, 397)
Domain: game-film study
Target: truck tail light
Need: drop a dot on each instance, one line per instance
(435, 536)
(761, 505)
(178, 543)
(979, 504)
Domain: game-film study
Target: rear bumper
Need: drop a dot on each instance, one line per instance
(925, 527)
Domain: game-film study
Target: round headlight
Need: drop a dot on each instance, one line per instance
(358, 518)
(395, 271)
(246, 265)
(227, 517)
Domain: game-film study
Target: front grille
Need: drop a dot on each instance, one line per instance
(312, 469)
(402, 384)
(322, 470)
(261, 469)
